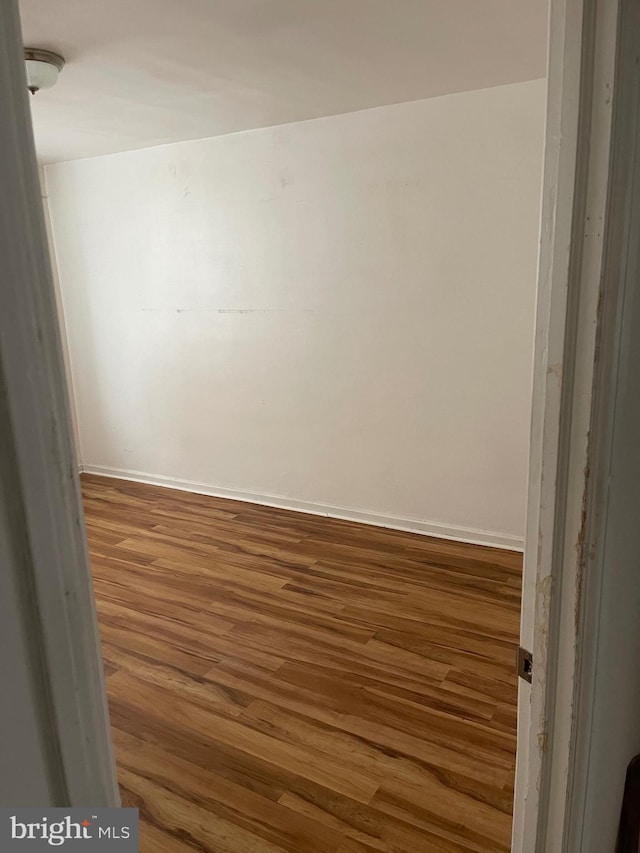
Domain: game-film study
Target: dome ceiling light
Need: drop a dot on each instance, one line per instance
(43, 67)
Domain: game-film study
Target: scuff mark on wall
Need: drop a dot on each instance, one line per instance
(244, 311)
(555, 370)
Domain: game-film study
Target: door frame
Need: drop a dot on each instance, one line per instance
(42, 508)
(572, 342)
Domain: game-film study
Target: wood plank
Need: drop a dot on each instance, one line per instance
(225, 801)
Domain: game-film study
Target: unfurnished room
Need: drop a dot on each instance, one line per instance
(294, 248)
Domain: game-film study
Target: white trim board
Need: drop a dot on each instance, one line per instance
(55, 736)
(393, 522)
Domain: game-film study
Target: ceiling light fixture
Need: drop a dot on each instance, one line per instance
(43, 67)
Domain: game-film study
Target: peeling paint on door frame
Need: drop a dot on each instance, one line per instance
(583, 47)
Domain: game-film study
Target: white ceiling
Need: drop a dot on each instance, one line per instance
(145, 72)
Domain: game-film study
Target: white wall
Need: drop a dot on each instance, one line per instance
(336, 312)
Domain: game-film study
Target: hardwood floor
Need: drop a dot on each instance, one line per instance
(285, 682)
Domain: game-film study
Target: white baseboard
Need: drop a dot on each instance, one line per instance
(410, 525)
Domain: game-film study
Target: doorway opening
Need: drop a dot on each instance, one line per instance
(299, 338)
